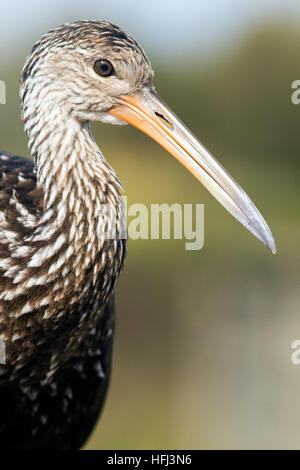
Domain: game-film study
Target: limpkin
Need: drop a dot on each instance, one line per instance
(58, 270)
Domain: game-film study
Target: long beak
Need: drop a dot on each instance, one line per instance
(146, 111)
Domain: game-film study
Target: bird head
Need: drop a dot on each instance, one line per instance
(81, 68)
(94, 71)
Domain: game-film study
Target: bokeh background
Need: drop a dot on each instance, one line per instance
(203, 342)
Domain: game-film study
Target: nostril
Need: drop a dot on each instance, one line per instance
(165, 120)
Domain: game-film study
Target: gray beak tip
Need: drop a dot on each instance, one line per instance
(269, 242)
(272, 246)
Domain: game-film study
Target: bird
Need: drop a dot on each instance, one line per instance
(63, 227)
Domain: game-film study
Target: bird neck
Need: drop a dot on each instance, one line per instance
(68, 162)
(78, 184)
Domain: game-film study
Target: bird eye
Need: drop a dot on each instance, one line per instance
(104, 68)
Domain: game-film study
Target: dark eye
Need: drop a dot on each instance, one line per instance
(104, 68)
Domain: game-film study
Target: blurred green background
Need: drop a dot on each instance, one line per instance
(203, 342)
